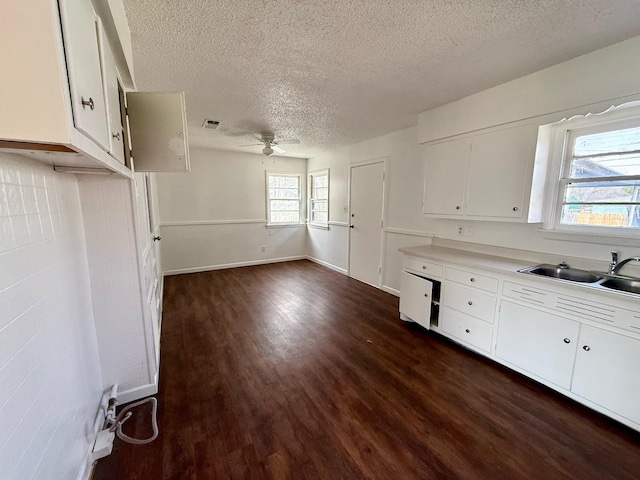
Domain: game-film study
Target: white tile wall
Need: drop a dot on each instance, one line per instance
(118, 309)
(49, 367)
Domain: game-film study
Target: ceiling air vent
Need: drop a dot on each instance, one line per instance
(212, 124)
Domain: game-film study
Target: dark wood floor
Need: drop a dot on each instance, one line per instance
(293, 371)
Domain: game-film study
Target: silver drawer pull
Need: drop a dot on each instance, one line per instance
(472, 279)
(470, 302)
(87, 103)
(586, 348)
(468, 331)
(566, 340)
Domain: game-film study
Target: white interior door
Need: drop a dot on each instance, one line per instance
(365, 246)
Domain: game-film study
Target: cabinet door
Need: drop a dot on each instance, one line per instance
(158, 126)
(538, 342)
(500, 167)
(112, 97)
(606, 371)
(85, 75)
(415, 298)
(445, 177)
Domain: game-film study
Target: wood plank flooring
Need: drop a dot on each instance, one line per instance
(293, 371)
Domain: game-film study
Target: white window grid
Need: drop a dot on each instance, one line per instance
(319, 198)
(279, 195)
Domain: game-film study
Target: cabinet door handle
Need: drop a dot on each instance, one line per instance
(470, 302)
(116, 136)
(468, 331)
(156, 238)
(424, 267)
(586, 348)
(351, 226)
(472, 279)
(87, 103)
(457, 207)
(515, 209)
(426, 295)
(566, 340)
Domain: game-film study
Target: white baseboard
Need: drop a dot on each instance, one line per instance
(138, 392)
(223, 266)
(390, 290)
(327, 264)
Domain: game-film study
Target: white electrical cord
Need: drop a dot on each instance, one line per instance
(125, 414)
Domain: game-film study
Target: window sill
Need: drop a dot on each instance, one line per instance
(630, 240)
(318, 226)
(284, 225)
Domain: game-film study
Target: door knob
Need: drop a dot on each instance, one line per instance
(156, 238)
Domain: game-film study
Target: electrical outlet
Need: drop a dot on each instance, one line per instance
(263, 248)
(468, 231)
(460, 230)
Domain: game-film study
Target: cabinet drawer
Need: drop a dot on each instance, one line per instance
(420, 266)
(469, 301)
(472, 279)
(466, 329)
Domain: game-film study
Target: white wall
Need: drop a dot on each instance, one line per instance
(215, 215)
(330, 247)
(49, 368)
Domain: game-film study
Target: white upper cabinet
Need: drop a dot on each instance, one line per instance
(483, 176)
(112, 98)
(62, 89)
(445, 177)
(158, 127)
(499, 172)
(85, 73)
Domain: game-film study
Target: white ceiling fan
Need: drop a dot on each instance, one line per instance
(270, 143)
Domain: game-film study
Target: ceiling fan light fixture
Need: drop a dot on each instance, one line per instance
(267, 150)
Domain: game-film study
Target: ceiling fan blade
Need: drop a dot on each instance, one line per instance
(257, 137)
(278, 149)
(252, 145)
(292, 141)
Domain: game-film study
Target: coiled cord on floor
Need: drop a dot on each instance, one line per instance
(125, 414)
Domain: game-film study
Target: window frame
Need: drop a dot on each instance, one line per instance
(311, 200)
(564, 133)
(268, 198)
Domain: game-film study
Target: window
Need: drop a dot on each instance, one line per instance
(319, 198)
(599, 186)
(283, 198)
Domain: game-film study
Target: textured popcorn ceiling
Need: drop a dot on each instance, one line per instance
(333, 73)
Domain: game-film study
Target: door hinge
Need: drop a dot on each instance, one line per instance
(381, 223)
(379, 269)
(383, 176)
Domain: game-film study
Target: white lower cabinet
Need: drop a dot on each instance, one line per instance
(467, 329)
(538, 342)
(415, 298)
(607, 371)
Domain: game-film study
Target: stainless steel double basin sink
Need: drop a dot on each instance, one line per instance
(595, 279)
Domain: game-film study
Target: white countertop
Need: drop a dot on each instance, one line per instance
(510, 266)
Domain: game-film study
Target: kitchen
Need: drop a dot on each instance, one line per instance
(190, 215)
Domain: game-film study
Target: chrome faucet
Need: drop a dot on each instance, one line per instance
(617, 266)
(613, 263)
